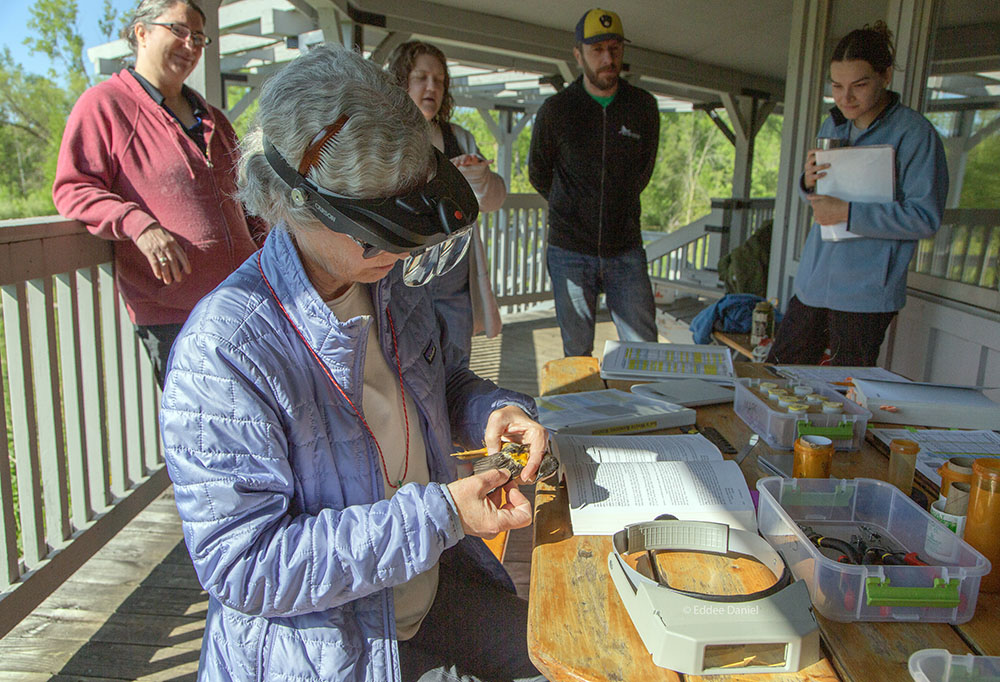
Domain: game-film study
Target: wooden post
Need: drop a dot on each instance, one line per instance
(803, 100)
(207, 76)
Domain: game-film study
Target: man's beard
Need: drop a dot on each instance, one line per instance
(603, 81)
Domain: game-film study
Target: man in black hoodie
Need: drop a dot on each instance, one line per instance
(593, 147)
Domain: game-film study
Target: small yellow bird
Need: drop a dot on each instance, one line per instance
(512, 457)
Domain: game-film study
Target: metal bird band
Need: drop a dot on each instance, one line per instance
(511, 457)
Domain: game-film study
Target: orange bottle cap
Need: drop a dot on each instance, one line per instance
(987, 467)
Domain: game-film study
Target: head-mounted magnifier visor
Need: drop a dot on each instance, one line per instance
(431, 223)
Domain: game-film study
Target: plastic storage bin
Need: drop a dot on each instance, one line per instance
(938, 665)
(945, 591)
(780, 429)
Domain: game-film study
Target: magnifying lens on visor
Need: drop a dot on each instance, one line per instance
(420, 268)
(431, 223)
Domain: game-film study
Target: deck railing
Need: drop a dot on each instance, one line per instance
(82, 431)
(695, 248)
(962, 261)
(515, 237)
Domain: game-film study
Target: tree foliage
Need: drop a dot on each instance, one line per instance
(981, 186)
(33, 111)
(33, 108)
(108, 24)
(58, 38)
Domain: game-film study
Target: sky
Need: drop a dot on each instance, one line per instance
(14, 27)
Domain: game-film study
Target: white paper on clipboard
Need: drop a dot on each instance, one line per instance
(863, 174)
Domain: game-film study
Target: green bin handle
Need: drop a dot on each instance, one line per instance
(944, 594)
(842, 431)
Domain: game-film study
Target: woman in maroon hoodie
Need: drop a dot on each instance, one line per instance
(146, 162)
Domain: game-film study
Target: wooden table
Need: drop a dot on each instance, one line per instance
(579, 630)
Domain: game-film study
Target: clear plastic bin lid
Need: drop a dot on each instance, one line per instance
(939, 665)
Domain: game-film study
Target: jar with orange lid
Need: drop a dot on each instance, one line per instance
(982, 527)
(812, 458)
(902, 463)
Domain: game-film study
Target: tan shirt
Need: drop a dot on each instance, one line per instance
(383, 410)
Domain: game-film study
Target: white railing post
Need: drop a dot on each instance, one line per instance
(112, 379)
(93, 385)
(77, 485)
(22, 413)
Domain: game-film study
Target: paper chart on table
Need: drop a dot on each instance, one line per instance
(812, 373)
(937, 446)
(645, 360)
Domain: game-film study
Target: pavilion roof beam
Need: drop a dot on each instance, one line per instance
(547, 44)
(305, 7)
(528, 105)
(972, 103)
(959, 49)
(391, 41)
(486, 58)
(243, 26)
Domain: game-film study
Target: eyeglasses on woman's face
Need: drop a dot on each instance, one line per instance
(182, 32)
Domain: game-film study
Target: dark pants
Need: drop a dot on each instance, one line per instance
(475, 631)
(158, 340)
(854, 339)
(578, 279)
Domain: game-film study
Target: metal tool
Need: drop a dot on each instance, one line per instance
(751, 444)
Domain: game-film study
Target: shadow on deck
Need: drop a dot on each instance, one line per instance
(135, 611)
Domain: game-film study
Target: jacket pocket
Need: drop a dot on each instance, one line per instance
(311, 654)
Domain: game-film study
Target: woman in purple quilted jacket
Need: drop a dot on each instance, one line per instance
(312, 401)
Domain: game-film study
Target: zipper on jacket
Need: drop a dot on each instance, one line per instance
(262, 664)
(604, 172)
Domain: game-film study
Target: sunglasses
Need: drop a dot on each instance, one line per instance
(182, 32)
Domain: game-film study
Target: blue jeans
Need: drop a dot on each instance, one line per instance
(577, 279)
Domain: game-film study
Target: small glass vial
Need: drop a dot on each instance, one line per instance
(802, 390)
(766, 386)
(814, 399)
(786, 400)
(982, 528)
(902, 463)
(798, 408)
(832, 407)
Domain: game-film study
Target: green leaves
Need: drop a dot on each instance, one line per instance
(58, 38)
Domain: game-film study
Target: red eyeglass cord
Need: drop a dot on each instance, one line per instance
(399, 373)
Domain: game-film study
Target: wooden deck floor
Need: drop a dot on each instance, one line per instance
(135, 611)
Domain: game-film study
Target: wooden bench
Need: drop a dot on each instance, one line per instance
(570, 375)
(738, 342)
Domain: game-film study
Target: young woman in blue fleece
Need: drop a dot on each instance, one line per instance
(847, 292)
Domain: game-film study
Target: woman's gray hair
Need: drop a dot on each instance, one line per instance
(147, 11)
(382, 150)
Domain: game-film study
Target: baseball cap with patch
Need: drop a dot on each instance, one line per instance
(597, 25)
